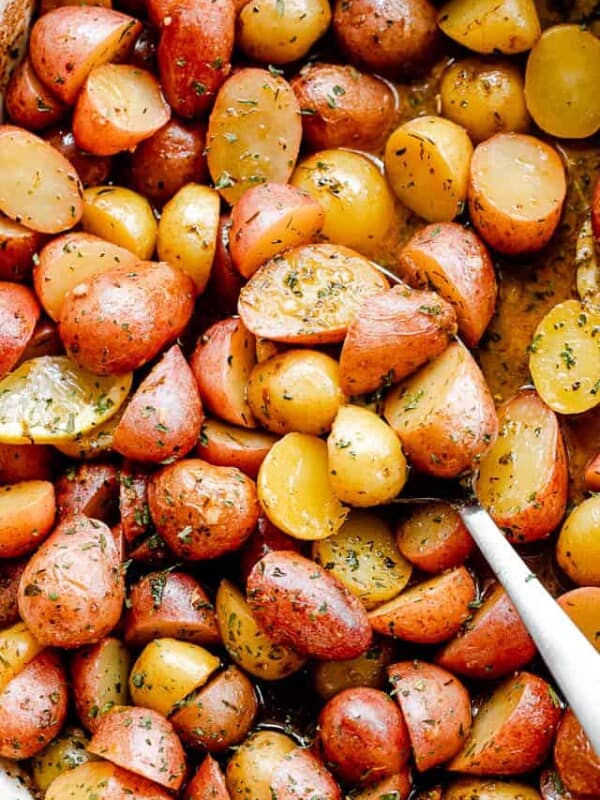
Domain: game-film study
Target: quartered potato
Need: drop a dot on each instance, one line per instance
(367, 669)
(578, 545)
(489, 26)
(99, 675)
(434, 538)
(66, 752)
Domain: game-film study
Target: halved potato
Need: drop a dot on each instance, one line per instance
(578, 545)
(251, 767)
(27, 511)
(120, 216)
(583, 607)
(99, 680)
(367, 669)
(491, 26)
(103, 781)
(434, 538)
(65, 752)
(229, 446)
(18, 647)
(577, 763)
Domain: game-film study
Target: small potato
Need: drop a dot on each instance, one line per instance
(434, 538)
(187, 232)
(220, 715)
(68, 42)
(518, 215)
(10, 575)
(225, 281)
(117, 108)
(161, 165)
(222, 363)
(577, 764)
(92, 170)
(251, 768)
(358, 203)
(363, 736)
(99, 675)
(120, 216)
(444, 415)
(469, 788)
(72, 592)
(513, 731)
(38, 186)
(33, 707)
(436, 708)
(493, 643)
(143, 742)
(368, 669)
(366, 464)
(265, 538)
(229, 446)
(300, 775)
(294, 490)
(583, 607)
(27, 512)
(387, 37)
(298, 390)
(427, 164)
(268, 219)
(119, 320)
(299, 604)
(254, 132)
(309, 295)
(454, 262)
(18, 647)
(392, 335)
(169, 604)
(428, 612)
(202, 511)
(89, 489)
(523, 479)
(103, 781)
(342, 107)
(273, 33)
(28, 102)
(19, 313)
(65, 752)
(364, 557)
(245, 642)
(208, 781)
(486, 26)
(578, 545)
(18, 245)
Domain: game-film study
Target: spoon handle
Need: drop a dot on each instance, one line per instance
(572, 660)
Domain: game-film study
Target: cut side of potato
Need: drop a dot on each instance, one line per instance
(490, 26)
(120, 216)
(18, 647)
(583, 607)
(65, 752)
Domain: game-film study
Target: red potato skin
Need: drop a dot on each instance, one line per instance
(133, 500)
(246, 452)
(29, 103)
(438, 554)
(194, 53)
(142, 741)
(265, 538)
(152, 551)
(18, 245)
(493, 644)
(33, 707)
(425, 692)
(169, 604)
(113, 782)
(25, 462)
(363, 736)
(90, 489)
(119, 320)
(10, 575)
(225, 281)
(19, 313)
(300, 775)
(465, 263)
(393, 334)
(92, 170)
(577, 764)
(299, 604)
(164, 416)
(208, 782)
(86, 673)
(23, 529)
(592, 474)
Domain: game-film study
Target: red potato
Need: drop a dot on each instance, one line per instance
(268, 219)
(28, 102)
(298, 603)
(592, 474)
(152, 550)
(89, 489)
(19, 313)
(453, 261)
(265, 538)
(493, 643)
(44, 341)
(118, 107)
(434, 538)
(119, 320)
(133, 500)
(71, 592)
(103, 781)
(18, 245)
(363, 736)
(222, 363)
(577, 764)
(27, 511)
(229, 446)
(518, 215)
(68, 42)
(33, 707)
(398, 787)
(194, 53)
(342, 107)
(225, 281)
(143, 742)
(436, 708)
(25, 462)
(208, 781)
(301, 776)
(171, 604)
(10, 575)
(99, 674)
(164, 416)
(202, 511)
(583, 606)
(92, 170)
(513, 730)
(428, 612)
(393, 334)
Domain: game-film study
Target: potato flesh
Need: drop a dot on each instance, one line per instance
(583, 607)
(18, 647)
(578, 545)
(66, 752)
(251, 768)
(128, 96)
(488, 26)
(113, 669)
(469, 789)
(122, 217)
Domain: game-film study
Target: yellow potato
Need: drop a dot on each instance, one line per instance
(367, 669)
(294, 491)
(298, 390)
(247, 645)
(363, 555)
(565, 357)
(427, 164)
(366, 464)
(491, 26)
(99, 680)
(187, 232)
(122, 217)
(17, 648)
(253, 763)
(578, 545)
(359, 207)
(166, 671)
(93, 443)
(582, 605)
(471, 788)
(65, 752)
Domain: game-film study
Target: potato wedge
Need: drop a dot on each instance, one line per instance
(367, 669)
(251, 768)
(578, 545)
(485, 26)
(263, 539)
(122, 217)
(208, 781)
(469, 788)
(17, 247)
(65, 752)
(300, 775)
(583, 607)
(18, 647)
(229, 446)
(89, 489)
(104, 781)
(577, 764)
(27, 512)
(99, 675)
(434, 538)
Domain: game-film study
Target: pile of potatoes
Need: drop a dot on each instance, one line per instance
(214, 386)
